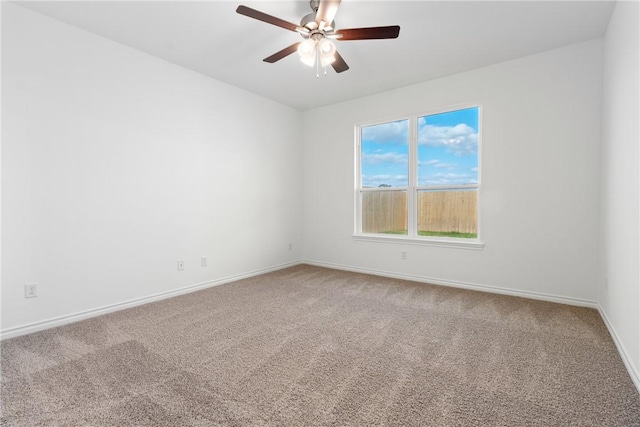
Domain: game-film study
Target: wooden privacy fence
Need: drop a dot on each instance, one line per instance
(442, 211)
(384, 211)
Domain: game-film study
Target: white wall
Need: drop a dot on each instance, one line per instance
(620, 299)
(116, 164)
(540, 175)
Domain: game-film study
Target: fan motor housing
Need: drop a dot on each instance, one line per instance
(309, 22)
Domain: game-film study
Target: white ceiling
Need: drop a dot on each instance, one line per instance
(437, 38)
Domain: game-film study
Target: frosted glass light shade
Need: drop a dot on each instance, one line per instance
(327, 52)
(307, 52)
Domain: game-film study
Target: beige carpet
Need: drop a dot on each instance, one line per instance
(313, 346)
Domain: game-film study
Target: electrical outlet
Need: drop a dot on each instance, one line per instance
(203, 261)
(290, 246)
(403, 255)
(180, 265)
(31, 290)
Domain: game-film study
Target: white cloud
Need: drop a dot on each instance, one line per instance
(438, 164)
(460, 139)
(377, 180)
(393, 132)
(376, 159)
(474, 169)
(448, 178)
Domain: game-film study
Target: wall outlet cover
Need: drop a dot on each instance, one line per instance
(31, 290)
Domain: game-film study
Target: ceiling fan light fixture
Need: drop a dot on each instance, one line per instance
(307, 52)
(327, 52)
(319, 29)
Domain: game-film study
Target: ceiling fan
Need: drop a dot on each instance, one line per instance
(318, 29)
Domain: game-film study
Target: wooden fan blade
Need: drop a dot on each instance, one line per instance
(390, 32)
(261, 16)
(281, 54)
(326, 12)
(339, 65)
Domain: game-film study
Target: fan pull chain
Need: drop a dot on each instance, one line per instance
(317, 62)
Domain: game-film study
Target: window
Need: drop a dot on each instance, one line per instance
(417, 177)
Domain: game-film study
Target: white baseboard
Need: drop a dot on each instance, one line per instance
(70, 318)
(459, 284)
(633, 372)
(63, 320)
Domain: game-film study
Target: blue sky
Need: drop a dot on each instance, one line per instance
(447, 150)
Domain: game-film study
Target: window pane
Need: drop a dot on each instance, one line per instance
(448, 148)
(385, 155)
(384, 212)
(448, 213)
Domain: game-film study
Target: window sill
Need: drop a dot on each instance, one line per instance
(470, 244)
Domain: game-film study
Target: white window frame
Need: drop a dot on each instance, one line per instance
(412, 190)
